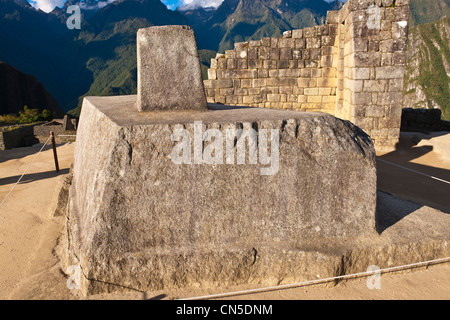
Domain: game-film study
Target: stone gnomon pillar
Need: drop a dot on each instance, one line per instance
(165, 198)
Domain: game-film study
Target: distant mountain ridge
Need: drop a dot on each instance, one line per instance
(18, 89)
(100, 59)
(427, 11)
(241, 20)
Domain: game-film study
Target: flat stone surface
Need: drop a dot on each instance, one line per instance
(138, 220)
(121, 111)
(169, 72)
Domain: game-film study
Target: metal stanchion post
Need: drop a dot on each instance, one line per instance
(52, 135)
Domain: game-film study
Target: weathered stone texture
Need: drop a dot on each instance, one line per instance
(169, 72)
(137, 220)
(17, 136)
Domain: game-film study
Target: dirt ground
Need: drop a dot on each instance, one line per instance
(30, 269)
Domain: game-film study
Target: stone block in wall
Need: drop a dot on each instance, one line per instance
(257, 83)
(283, 64)
(286, 43)
(399, 58)
(274, 54)
(213, 64)
(266, 42)
(217, 84)
(262, 73)
(255, 64)
(333, 29)
(277, 82)
(230, 54)
(297, 34)
(300, 43)
(241, 63)
(222, 63)
(390, 98)
(396, 85)
(308, 32)
(286, 53)
(264, 53)
(321, 30)
(386, 59)
(315, 54)
(253, 53)
(361, 74)
(332, 17)
(311, 64)
(313, 43)
(212, 74)
(376, 85)
(390, 72)
(367, 59)
(328, 40)
(375, 111)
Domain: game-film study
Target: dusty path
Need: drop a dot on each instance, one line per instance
(28, 233)
(29, 269)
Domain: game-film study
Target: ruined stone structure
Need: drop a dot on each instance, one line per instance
(142, 217)
(351, 67)
(227, 213)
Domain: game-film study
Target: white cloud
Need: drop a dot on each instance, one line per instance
(194, 4)
(47, 5)
(98, 5)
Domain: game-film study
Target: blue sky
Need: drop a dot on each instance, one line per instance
(49, 5)
(171, 4)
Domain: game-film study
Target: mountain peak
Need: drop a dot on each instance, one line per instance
(22, 2)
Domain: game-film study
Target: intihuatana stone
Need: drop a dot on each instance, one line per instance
(165, 200)
(169, 72)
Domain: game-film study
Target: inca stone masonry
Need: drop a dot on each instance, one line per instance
(352, 67)
(137, 220)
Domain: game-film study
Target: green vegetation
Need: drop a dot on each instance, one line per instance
(433, 56)
(205, 57)
(427, 11)
(100, 59)
(242, 20)
(26, 116)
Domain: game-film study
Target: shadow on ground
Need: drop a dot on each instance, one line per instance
(419, 187)
(31, 177)
(18, 153)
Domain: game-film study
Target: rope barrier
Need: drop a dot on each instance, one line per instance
(286, 286)
(1, 204)
(324, 280)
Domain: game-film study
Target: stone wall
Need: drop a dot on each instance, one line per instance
(296, 72)
(423, 120)
(17, 136)
(351, 67)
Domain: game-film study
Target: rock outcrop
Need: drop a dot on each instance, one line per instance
(138, 220)
(18, 89)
